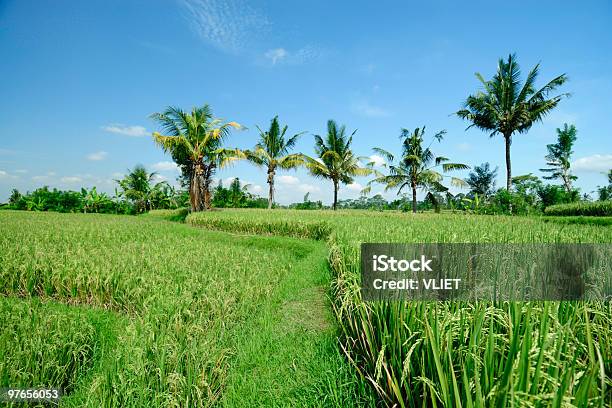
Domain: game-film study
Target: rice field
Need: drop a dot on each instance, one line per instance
(126, 311)
(463, 354)
(267, 311)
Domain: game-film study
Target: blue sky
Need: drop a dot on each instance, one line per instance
(78, 80)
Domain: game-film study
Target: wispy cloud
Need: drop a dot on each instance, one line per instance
(97, 156)
(278, 56)
(377, 160)
(364, 108)
(229, 25)
(288, 180)
(165, 166)
(594, 163)
(71, 179)
(134, 131)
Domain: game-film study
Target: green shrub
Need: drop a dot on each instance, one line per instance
(597, 208)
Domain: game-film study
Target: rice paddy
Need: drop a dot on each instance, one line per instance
(142, 311)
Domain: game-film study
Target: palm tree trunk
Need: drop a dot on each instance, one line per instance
(335, 195)
(271, 184)
(508, 140)
(414, 199)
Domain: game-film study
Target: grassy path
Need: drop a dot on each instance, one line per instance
(287, 353)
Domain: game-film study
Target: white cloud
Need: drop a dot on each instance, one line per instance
(97, 156)
(307, 188)
(288, 180)
(51, 173)
(377, 160)
(302, 55)
(276, 55)
(165, 166)
(71, 179)
(158, 178)
(21, 171)
(256, 189)
(364, 108)
(229, 25)
(354, 187)
(5, 175)
(118, 128)
(594, 163)
(40, 178)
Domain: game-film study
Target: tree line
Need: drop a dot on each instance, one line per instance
(505, 105)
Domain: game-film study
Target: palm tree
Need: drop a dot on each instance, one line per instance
(505, 106)
(195, 142)
(137, 187)
(417, 167)
(335, 161)
(559, 157)
(272, 151)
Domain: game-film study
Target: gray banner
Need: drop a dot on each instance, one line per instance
(494, 272)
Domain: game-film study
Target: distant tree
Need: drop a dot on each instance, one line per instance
(94, 201)
(482, 180)
(15, 197)
(136, 186)
(559, 156)
(335, 160)
(505, 106)
(236, 196)
(272, 152)
(605, 192)
(195, 141)
(417, 168)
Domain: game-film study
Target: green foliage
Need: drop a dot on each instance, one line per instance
(137, 188)
(559, 157)
(236, 196)
(605, 192)
(195, 141)
(272, 152)
(306, 204)
(417, 168)
(505, 106)
(596, 208)
(553, 195)
(482, 180)
(335, 160)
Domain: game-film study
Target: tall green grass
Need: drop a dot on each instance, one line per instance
(596, 208)
(188, 303)
(468, 354)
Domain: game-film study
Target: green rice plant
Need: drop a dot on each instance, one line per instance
(595, 208)
(470, 354)
(187, 308)
(45, 344)
(295, 228)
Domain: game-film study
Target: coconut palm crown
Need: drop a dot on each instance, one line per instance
(417, 167)
(195, 141)
(507, 106)
(335, 160)
(272, 152)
